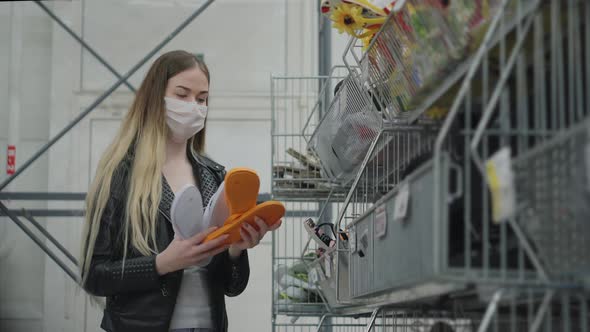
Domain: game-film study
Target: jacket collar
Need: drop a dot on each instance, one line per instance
(197, 161)
(202, 160)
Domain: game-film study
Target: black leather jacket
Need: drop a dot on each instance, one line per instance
(138, 299)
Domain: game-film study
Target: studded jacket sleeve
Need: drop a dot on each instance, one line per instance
(108, 274)
(233, 273)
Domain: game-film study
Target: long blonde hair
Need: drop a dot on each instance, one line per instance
(143, 132)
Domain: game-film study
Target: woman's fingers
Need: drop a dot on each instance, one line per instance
(251, 237)
(255, 234)
(262, 226)
(247, 234)
(214, 251)
(276, 225)
(210, 245)
(199, 237)
(210, 253)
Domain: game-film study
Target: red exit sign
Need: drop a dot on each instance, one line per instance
(11, 160)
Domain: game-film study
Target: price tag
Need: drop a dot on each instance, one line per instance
(500, 179)
(365, 73)
(380, 221)
(328, 266)
(352, 240)
(402, 201)
(313, 276)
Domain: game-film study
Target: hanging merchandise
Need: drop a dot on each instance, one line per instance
(420, 43)
(324, 240)
(345, 134)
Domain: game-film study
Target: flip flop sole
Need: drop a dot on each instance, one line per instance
(270, 211)
(241, 190)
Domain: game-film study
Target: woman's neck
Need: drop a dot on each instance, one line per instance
(175, 151)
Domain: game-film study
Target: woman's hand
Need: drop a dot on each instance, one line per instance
(181, 254)
(251, 237)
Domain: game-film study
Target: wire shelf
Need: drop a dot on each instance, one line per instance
(553, 182)
(297, 106)
(424, 49)
(346, 131)
(417, 206)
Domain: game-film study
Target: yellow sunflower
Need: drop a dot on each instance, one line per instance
(367, 36)
(347, 18)
(436, 113)
(367, 41)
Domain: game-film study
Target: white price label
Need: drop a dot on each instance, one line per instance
(328, 266)
(313, 276)
(352, 240)
(365, 73)
(500, 179)
(320, 273)
(380, 221)
(402, 201)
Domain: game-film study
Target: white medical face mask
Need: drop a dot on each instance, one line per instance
(184, 119)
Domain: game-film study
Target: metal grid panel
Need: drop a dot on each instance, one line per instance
(474, 248)
(415, 47)
(311, 324)
(554, 186)
(420, 45)
(420, 51)
(515, 310)
(521, 110)
(292, 291)
(397, 152)
(298, 104)
(346, 131)
(535, 310)
(518, 93)
(294, 256)
(294, 252)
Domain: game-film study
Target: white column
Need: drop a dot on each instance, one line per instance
(15, 50)
(14, 87)
(64, 305)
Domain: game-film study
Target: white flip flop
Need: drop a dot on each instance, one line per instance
(217, 211)
(187, 212)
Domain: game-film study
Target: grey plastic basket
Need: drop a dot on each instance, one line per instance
(346, 132)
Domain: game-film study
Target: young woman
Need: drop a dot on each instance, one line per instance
(129, 251)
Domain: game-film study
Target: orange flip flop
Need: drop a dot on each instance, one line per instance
(241, 192)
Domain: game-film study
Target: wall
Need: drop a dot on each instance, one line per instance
(25, 56)
(243, 44)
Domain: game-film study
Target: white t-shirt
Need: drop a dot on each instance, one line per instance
(193, 304)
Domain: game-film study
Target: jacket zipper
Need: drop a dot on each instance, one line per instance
(163, 288)
(164, 215)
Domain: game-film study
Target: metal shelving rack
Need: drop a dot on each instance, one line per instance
(422, 196)
(298, 104)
